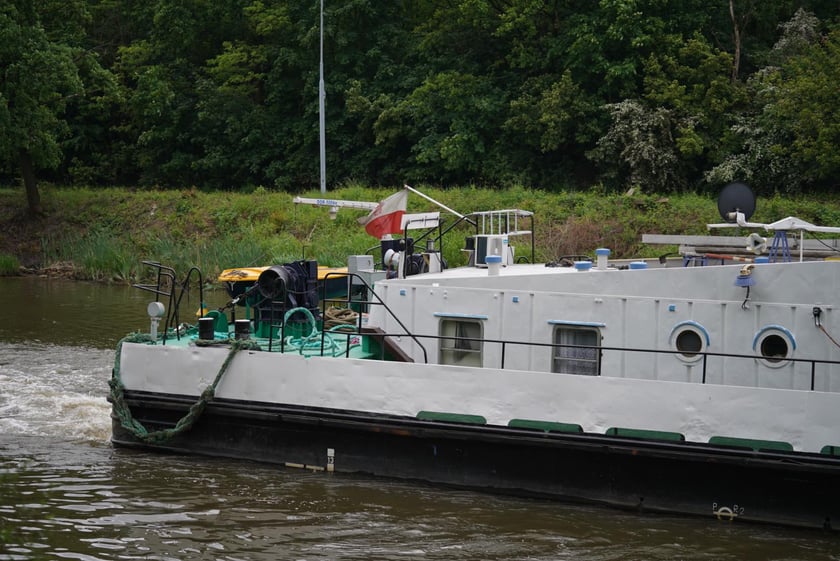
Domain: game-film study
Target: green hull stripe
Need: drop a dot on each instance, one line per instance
(751, 443)
(645, 434)
(451, 417)
(547, 426)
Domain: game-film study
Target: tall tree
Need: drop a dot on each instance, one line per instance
(695, 84)
(789, 137)
(806, 98)
(40, 61)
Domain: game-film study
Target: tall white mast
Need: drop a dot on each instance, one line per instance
(322, 95)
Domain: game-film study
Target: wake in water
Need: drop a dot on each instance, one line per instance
(50, 390)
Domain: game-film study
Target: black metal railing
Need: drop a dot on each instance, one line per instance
(166, 285)
(698, 359)
(363, 304)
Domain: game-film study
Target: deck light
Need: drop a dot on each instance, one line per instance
(156, 310)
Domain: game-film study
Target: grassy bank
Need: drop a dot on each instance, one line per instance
(104, 234)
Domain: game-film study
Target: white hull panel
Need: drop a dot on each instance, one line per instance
(807, 420)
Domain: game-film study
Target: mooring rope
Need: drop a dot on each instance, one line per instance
(311, 344)
(123, 412)
(339, 316)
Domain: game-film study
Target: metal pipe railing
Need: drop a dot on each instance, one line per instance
(703, 360)
(166, 285)
(380, 302)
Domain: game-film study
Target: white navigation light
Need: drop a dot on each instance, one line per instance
(155, 310)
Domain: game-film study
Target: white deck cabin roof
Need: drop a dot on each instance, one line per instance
(684, 283)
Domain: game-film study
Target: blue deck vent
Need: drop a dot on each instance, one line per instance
(744, 280)
(583, 265)
(602, 254)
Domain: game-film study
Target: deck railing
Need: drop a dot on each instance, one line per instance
(167, 286)
(363, 304)
(702, 361)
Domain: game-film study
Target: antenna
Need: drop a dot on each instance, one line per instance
(736, 203)
(322, 95)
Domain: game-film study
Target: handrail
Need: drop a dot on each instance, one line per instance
(185, 286)
(472, 220)
(380, 302)
(162, 272)
(477, 224)
(166, 275)
(704, 354)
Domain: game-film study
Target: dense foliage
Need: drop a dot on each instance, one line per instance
(662, 95)
(105, 233)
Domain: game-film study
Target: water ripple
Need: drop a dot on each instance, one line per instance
(51, 390)
(87, 501)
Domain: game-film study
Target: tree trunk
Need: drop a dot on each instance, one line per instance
(736, 33)
(30, 183)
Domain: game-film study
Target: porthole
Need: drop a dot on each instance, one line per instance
(689, 339)
(774, 348)
(774, 345)
(689, 342)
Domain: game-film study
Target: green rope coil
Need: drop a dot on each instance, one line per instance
(310, 345)
(123, 412)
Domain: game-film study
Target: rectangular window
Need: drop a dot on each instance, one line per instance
(584, 359)
(464, 347)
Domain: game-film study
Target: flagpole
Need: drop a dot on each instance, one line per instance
(322, 94)
(428, 198)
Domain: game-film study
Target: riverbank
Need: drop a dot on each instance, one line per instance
(104, 234)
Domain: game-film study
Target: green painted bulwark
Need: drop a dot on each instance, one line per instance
(451, 417)
(547, 426)
(645, 434)
(830, 450)
(751, 443)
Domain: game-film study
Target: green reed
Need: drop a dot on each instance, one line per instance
(9, 265)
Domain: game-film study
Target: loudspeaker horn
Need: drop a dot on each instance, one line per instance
(756, 243)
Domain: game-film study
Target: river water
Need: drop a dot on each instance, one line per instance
(65, 493)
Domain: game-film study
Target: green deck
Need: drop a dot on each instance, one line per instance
(360, 350)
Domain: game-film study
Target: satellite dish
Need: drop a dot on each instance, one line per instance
(736, 197)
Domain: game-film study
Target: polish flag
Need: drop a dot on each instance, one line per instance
(387, 216)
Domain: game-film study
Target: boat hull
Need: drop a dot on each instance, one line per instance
(647, 475)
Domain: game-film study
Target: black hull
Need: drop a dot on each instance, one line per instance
(686, 478)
